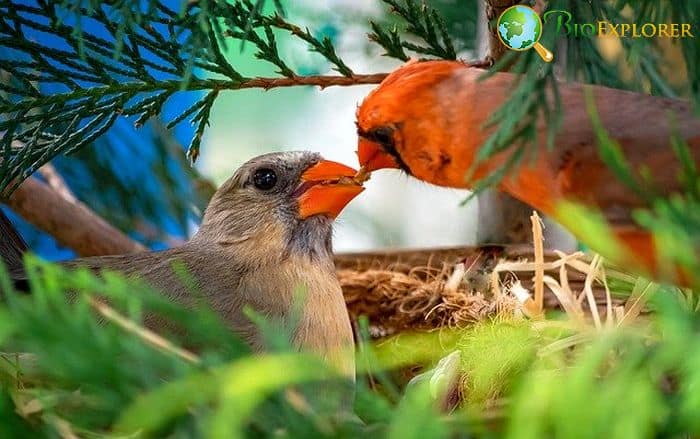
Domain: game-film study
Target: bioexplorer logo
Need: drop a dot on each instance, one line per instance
(564, 26)
(520, 28)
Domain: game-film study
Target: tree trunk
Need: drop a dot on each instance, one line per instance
(502, 218)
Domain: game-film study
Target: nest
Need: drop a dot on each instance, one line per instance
(456, 287)
(423, 298)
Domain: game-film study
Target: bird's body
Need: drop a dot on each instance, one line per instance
(266, 284)
(256, 248)
(431, 118)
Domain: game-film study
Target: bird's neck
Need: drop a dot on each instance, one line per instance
(311, 238)
(323, 326)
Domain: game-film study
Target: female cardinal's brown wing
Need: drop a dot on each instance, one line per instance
(12, 248)
(181, 273)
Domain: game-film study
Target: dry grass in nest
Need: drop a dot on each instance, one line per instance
(424, 298)
(447, 294)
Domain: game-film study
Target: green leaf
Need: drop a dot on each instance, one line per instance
(590, 227)
(235, 389)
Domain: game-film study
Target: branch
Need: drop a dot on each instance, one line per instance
(494, 9)
(73, 224)
(56, 182)
(320, 81)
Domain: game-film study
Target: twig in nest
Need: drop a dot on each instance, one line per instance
(588, 292)
(538, 240)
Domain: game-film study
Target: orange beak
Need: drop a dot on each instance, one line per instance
(373, 157)
(326, 188)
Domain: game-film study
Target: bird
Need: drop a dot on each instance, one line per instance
(430, 119)
(266, 232)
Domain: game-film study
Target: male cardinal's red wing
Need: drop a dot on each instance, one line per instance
(644, 136)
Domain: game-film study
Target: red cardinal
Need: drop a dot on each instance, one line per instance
(429, 118)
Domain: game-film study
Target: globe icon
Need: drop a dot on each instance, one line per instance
(520, 28)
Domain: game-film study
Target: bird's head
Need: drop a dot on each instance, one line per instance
(287, 197)
(405, 122)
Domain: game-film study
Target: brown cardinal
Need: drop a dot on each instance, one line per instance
(429, 119)
(265, 234)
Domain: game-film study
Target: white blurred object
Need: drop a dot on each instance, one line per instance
(443, 379)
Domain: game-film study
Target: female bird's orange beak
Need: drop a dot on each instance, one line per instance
(373, 157)
(326, 188)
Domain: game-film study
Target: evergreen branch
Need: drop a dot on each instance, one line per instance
(127, 14)
(243, 18)
(324, 47)
(389, 40)
(534, 98)
(151, 107)
(146, 56)
(27, 88)
(535, 94)
(267, 50)
(321, 81)
(101, 105)
(421, 21)
(220, 60)
(585, 63)
(272, 54)
(24, 92)
(674, 219)
(196, 106)
(201, 119)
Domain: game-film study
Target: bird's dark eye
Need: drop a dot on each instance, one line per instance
(265, 179)
(383, 135)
